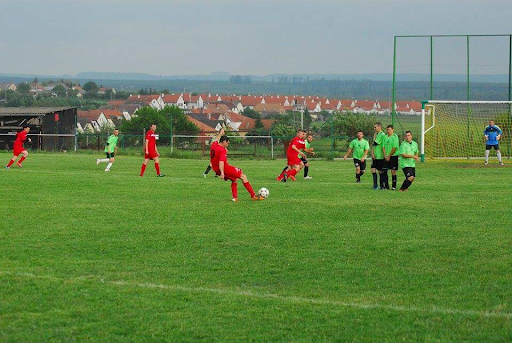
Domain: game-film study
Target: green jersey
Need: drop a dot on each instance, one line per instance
(307, 144)
(377, 145)
(391, 142)
(358, 148)
(408, 149)
(111, 143)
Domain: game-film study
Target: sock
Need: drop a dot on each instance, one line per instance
(104, 160)
(487, 155)
(361, 173)
(374, 180)
(499, 156)
(393, 178)
(21, 160)
(292, 172)
(207, 170)
(234, 189)
(143, 169)
(282, 173)
(248, 186)
(386, 179)
(284, 170)
(109, 165)
(157, 168)
(10, 163)
(406, 184)
(381, 180)
(358, 177)
(306, 171)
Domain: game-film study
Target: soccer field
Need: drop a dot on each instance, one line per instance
(89, 255)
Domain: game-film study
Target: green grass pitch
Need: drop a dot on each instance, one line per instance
(89, 255)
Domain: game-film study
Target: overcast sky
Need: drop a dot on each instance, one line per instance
(237, 36)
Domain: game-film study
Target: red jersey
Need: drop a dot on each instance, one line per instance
(151, 137)
(299, 144)
(21, 137)
(218, 153)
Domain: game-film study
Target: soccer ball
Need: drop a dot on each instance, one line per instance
(263, 192)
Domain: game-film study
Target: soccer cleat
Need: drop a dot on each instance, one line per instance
(279, 179)
(234, 199)
(358, 181)
(97, 161)
(308, 177)
(160, 175)
(257, 198)
(393, 188)
(19, 165)
(375, 188)
(204, 175)
(107, 170)
(502, 164)
(291, 177)
(486, 163)
(7, 167)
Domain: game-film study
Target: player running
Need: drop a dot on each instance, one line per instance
(151, 152)
(18, 148)
(408, 159)
(492, 135)
(378, 155)
(390, 149)
(360, 148)
(110, 150)
(219, 162)
(295, 164)
(308, 149)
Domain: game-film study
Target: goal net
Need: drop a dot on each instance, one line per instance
(455, 129)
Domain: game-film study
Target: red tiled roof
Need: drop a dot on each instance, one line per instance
(171, 98)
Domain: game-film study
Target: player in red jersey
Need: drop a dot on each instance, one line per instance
(219, 162)
(151, 152)
(294, 162)
(18, 148)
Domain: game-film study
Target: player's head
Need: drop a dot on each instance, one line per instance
(26, 128)
(491, 122)
(408, 136)
(224, 141)
(360, 134)
(301, 133)
(390, 129)
(116, 132)
(153, 127)
(310, 138)
(378, 126)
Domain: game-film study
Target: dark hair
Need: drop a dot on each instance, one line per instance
(116, 129)
(224, 139)
(152, 124)
(406, 132)
(390, 127)
(491, 120)
(360, 131)
(378, 123)
(301, 130)
(25, 126)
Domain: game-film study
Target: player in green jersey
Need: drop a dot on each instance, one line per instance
(359, 148)
(378, 155)
(110, 149)
(408, 158)
(308, 149)
(390, 149)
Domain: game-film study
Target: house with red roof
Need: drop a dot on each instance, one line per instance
(174, 100)
(152, 100)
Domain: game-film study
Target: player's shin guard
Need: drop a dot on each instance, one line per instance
(358, 177)
(248, 186)
(104, 160)
(381, 180)
(386, 178)
(21, 160)
(405, 185)
(157, 168)
(142, 169)
(10, 163)
(499, 156)
(393, 180)
(487, 155)
(292, 172)
(374, 180)
(207, 170)
(108, 166)
(306, 171)
(234, 189)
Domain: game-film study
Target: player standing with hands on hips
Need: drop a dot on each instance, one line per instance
(492, 135)
(151, 152)
(18, 148)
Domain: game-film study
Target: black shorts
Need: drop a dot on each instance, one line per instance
(392, 164)
(496, 147)
(377, 164)
(304, 160)
(110, 155)
(360, 164)
(409, 171)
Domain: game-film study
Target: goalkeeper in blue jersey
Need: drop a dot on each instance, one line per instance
(492, 135)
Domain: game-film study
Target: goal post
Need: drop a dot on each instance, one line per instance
(455, 129)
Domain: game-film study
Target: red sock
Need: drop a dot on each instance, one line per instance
(282, 174)
(10, 163)
(291, 172)
(143, 169)
(248, 186)
(21, 160)
(234, 189)
(157, 168)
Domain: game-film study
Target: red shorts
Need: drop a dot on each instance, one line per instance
(293, 159)
(16, 150)
(232, 173)
(151, 155)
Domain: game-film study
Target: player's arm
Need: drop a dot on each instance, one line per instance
(221, 132)
(298, 150)
(499, 133)
(221, 169)
(364, 155)
(348, 153)
(415, 156)
(486, 133)
(147, 146)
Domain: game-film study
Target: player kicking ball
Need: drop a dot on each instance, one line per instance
(110, 149)
(18, 148)
(408, 158)
(295, 164)
(151, 151)
(492, 134)
(359, 148)
(220, 165)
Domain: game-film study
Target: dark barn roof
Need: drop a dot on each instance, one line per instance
(30, 111)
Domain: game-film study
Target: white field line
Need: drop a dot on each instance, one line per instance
(271, 296)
